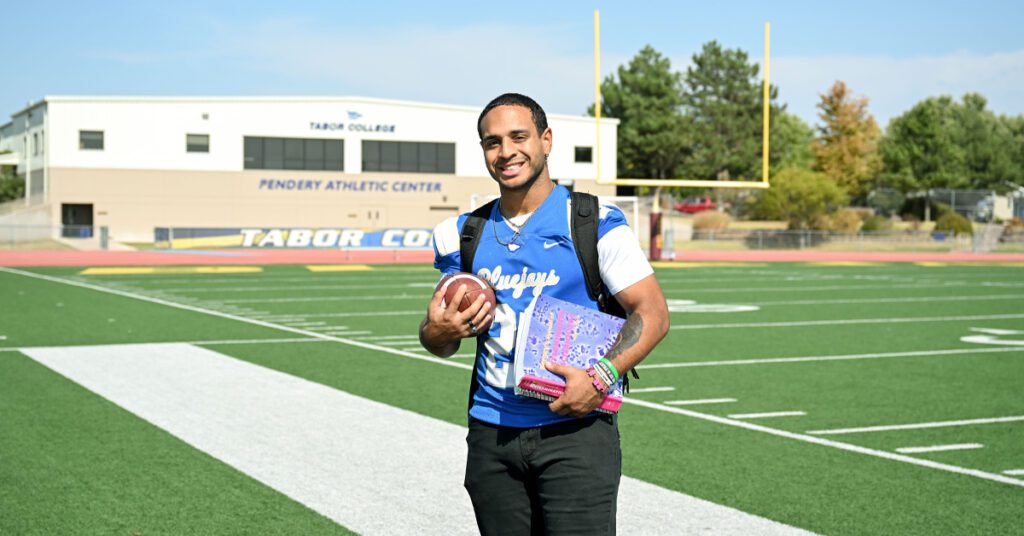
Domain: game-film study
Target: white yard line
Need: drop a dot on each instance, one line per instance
(767, 415)
(420, 312)
(650, 389)
(915, 426)
(384, 297)
(699, 401)
(773, 360)
(844, 322)
(388, 337)
(1014, 472)
(939, 448)
(300, 288)
(823, 288)
(369, 474)
(195, 343)
(304, 324)
(916, 299)
(827, 442)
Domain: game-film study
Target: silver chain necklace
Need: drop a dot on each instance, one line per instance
(518, 228)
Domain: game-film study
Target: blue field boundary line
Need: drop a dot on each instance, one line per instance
(804, 438)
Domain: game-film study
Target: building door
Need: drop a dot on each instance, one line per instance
(76, 220)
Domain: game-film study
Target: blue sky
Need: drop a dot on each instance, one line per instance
(894, 53)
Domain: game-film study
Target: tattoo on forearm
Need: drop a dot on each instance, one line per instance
(629, 335)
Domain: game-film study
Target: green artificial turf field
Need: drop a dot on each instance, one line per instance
(841, 399)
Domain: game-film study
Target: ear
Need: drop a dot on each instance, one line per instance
(545, 140)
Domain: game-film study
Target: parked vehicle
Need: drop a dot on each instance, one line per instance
(693, 205)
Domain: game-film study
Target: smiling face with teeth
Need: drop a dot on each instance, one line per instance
(515, 153)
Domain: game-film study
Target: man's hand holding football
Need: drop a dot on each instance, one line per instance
(445, 325)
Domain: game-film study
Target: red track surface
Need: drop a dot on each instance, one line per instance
(318, 256)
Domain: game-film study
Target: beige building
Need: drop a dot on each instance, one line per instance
(135, 164)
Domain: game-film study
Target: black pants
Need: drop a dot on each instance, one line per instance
(557, 479)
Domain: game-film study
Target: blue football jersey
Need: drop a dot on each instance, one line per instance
(542, 259)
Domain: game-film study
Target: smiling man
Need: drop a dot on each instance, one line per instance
(536, 467)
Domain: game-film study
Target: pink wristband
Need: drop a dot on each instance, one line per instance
(598, 384)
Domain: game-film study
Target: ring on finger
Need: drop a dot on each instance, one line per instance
(472, 327)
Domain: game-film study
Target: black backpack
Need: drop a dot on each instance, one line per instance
(585, 212)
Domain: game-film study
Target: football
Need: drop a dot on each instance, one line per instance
(475, 286)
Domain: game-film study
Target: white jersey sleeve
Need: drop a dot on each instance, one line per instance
(620, 257)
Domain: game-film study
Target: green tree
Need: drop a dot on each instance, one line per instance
(791, 140)
(920, 150)
(645, 97)
(722, 102)
(11, 187)
(847, 145)
(1015, 126)
(988, 144)
(800, 196)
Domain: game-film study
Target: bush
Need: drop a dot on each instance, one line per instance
(799, 196)
(711, 220)
(846, 221)
(951, 222)
(11, 187)
(876, 223)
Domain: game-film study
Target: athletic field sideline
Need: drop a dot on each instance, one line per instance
(829, 398)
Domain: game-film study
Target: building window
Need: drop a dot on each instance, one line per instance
(197, 143)
(35, 143)
(294, 153)
(90, 139)
(408, 157)
(584, 155)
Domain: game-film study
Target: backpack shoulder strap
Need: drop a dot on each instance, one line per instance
(586, 211)
(469, 236)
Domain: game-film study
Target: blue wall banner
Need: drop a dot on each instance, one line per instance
(297, 237)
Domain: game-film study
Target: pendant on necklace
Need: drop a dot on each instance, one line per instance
(512, 246)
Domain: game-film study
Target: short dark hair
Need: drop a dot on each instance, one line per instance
(540, 119)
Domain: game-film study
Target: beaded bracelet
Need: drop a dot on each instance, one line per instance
(597, 382)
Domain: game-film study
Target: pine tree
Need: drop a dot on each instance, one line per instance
(645, 97)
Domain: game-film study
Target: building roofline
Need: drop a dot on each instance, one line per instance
(29, 107)
(279, 99)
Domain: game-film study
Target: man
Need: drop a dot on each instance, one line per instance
(536, 467)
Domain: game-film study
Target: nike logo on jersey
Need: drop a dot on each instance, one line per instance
(549, 245)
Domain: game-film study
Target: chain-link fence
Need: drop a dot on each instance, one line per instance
(985, 238)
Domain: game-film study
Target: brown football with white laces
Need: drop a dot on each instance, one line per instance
(475, 286)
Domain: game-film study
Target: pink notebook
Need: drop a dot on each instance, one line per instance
(565, 333)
